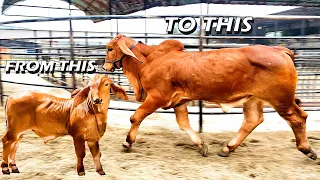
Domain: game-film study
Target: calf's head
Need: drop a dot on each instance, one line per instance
(98, 92)
(117, 49)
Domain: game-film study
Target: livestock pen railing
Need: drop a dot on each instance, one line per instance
(53, 45)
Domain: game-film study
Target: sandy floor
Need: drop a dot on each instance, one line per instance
(162, 151)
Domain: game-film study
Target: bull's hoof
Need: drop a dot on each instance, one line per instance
(81, 173)
(6, 171)
(309, 153)
(15, 170)
(224, 152)
(126, 145)
(203, 150)
(101, 172)
(312, 155)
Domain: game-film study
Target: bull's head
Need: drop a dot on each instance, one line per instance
(117, 49)
(98, 92)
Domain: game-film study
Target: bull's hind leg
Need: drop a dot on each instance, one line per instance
(253, 116)
(296, 118)
(183, 121)
(12, 164)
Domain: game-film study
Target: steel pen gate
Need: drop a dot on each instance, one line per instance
(40, 45)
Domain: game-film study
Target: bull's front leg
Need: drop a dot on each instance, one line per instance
(183, 122)
(150, 105)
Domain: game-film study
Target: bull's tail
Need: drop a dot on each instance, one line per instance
(290, 53)
(285, 50)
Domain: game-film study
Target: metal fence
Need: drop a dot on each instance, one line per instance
(83, 46)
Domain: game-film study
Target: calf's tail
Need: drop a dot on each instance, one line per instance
(5, 111)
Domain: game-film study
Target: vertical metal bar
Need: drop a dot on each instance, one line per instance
(276, 29)
(254, 32)
(87, 46)
(207, 39)
(303, 27)
(117, 6)
(50, 45)
(110, 13)
(74, 86)
(50, 41)
(35, 41)
(1, 88)
(200, 49)
(145, 21)
(302, 31)
(119, 79)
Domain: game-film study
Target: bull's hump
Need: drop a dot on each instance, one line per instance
(171, 45)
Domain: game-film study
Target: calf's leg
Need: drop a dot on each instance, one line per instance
(183, 122)
(81, 153)
(13, 152)
(8, 140)
(96, 154)
(253, 116)
(150, 105)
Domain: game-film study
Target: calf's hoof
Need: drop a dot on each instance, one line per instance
(126, 145)
(15, 170)
(101, 172)
(203, 150)
(81, 173)
(224, 152)
(6, 171)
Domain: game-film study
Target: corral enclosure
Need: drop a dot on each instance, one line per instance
(161, 146)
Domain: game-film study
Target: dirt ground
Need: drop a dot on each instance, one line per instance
(162, 151)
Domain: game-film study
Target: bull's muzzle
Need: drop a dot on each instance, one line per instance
(109, 67)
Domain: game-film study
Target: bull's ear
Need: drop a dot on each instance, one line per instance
(119, 91)
(81, 96)
(124, 48)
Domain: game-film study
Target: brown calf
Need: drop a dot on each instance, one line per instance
(169, 77)
(83, 117)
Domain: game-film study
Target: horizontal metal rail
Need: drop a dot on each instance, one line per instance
(54, 54)
(109, 17)
(41, 85)
(168, 36)
(204, 113)
(196, 113)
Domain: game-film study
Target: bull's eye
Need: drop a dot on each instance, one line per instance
(110, 49)
(107, 84)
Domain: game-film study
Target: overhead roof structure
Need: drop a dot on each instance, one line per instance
(123, 7)
(302, 11)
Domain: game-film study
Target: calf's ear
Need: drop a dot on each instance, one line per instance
(119, 91)
(75, 92)
(81, 96)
